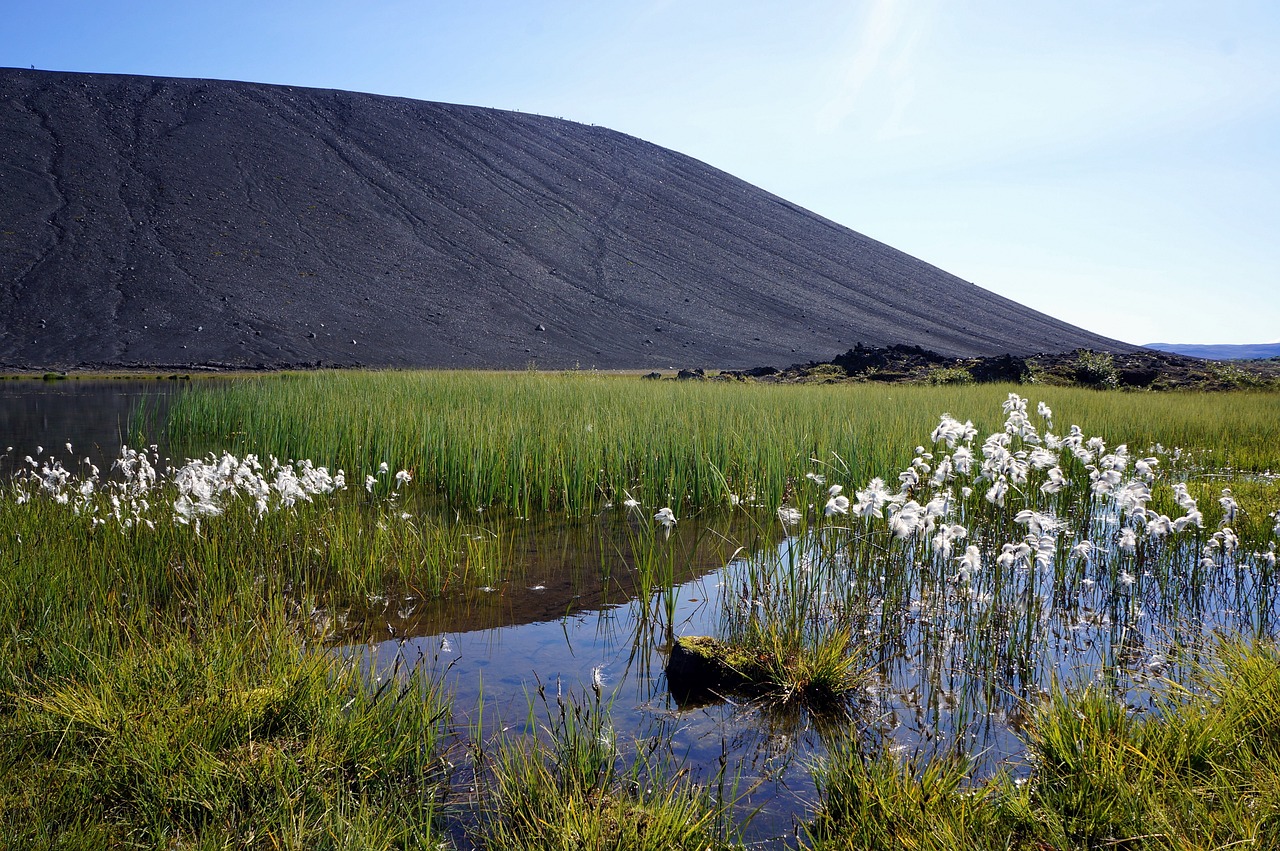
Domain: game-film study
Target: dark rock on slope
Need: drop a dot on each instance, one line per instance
(1142, 369)
(164, 222)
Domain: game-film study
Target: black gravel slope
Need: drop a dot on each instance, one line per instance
(151, 221)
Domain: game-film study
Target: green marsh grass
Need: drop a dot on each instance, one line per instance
(1038, 557)
(1201, 771)
(534, 441)
(164, 685)
(568, 785)
(166, 673)
(167, 677)
(884, 802)
(241, 737)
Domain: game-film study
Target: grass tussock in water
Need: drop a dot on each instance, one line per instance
(1201, 772)
(569, 786)
(577, 441)
(779, 667)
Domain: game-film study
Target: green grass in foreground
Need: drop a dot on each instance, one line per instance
(571, 787)
(234, 734)
(168, 684)
(170, 687)
(1203, 773)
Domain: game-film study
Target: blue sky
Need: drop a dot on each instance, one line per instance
(1115, 164)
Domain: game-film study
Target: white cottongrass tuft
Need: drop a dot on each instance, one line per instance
(970, 562)
(1230, 508)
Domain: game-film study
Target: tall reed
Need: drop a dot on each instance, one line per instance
(1000, 564)
(575, 441)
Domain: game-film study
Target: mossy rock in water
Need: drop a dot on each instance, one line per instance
(820, 677)
(699, 665)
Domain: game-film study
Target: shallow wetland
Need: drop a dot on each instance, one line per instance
(968, 577)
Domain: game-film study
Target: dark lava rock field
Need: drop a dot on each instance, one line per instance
(1142, 369)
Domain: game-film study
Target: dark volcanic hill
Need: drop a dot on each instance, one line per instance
(157, 221)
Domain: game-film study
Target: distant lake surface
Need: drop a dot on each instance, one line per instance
(96, 416)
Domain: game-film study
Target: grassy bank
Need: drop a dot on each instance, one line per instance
(228, 732)
(167, 679)
(164, 678)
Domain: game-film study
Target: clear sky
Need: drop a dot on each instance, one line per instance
(1113, 163)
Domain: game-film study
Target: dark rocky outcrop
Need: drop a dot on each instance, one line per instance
(863, 359)
(1000, 368)
(172, 222)
(1143, 369)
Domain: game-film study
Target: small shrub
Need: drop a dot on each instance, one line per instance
(949, 375)
(1097, 369)
(1233, 376)
(827, 372)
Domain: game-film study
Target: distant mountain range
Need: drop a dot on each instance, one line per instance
(1220, 352)
(148, 221)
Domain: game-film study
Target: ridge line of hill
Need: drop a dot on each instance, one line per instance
(158, 221)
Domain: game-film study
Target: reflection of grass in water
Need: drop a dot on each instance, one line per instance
(551, 441)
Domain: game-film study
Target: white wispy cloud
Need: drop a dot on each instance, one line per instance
(878, 61)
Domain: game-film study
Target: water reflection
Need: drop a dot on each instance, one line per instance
(96, 416)
(622, 647)
(950, 669)
(555, 569)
